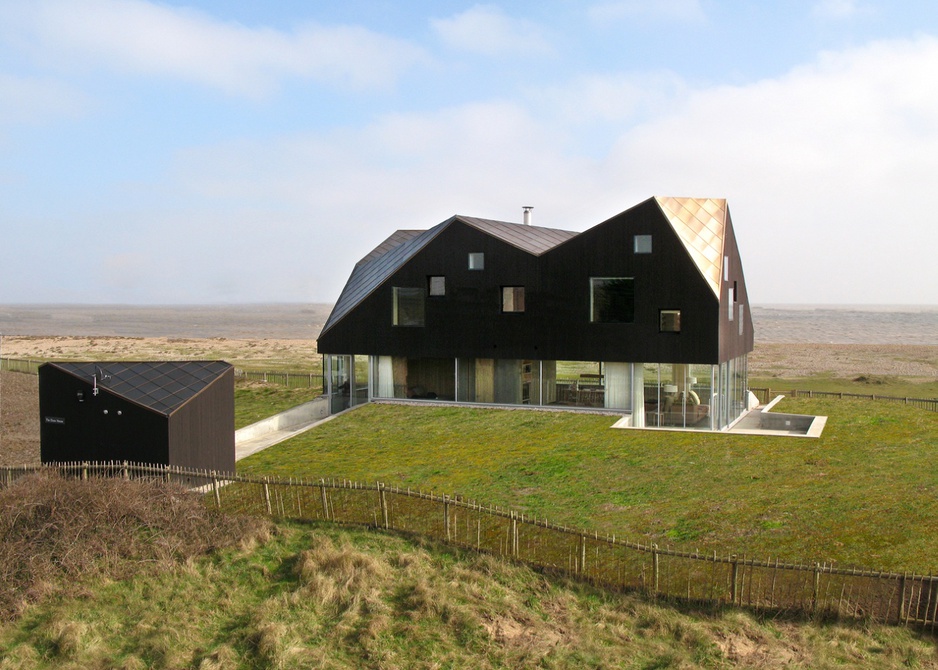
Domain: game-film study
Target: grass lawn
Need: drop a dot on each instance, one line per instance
(255, 401)
(864, 494)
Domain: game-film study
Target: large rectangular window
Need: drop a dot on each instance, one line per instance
(512, 298)
(409, 306)
(612, 299)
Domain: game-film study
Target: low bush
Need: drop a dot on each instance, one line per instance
(54, 532)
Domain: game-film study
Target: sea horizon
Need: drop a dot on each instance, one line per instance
(773, 322)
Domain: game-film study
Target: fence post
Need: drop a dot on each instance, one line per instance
(124, 472)
(515, 550)
(383, 503)
(267, 497)
(325, 501)
(734, 589)
(654, 569)
(902, 610)
(215, 489)
(582, 554)
(817, 587)
(446, 516)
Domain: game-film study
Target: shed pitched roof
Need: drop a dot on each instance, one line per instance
(162, 386)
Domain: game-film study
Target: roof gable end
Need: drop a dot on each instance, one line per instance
(700, 224)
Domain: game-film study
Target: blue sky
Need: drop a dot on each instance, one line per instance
(232, 151)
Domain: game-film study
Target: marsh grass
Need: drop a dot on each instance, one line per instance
(327, 597)
(864, 494)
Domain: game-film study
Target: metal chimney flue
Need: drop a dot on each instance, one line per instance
(527, 214)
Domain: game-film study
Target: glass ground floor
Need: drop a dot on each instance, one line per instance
(705, 397)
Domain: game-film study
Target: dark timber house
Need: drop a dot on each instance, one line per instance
(164, 413)
(645, 314)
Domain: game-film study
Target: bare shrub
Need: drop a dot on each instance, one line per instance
(56, 531)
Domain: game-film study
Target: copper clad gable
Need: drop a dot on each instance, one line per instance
(700, 223)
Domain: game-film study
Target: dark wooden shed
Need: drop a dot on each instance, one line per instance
(167, 413)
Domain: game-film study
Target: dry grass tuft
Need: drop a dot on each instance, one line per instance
(341, 578)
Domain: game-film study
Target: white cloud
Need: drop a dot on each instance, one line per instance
(137, 36)
(659, 10)
(614, 97)
(487, 30)
(826, 170)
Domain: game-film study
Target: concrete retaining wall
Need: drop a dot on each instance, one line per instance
(308, 412)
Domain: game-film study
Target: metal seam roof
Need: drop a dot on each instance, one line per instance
(162, 386)
(700, 224)
(370, 272)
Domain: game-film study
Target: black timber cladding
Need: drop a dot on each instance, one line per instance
(555, 268)
(400, 247)
(176, 413)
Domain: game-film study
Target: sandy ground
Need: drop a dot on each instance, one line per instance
(19, 397)
(913, 361)
(158, 348)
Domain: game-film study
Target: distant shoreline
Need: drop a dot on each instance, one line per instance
(774, 323)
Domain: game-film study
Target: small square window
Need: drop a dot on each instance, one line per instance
(477, 261)
(512, 298)
(669, 321)
(437, 285)
(643, 244)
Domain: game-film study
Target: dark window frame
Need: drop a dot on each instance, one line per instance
(516, 291)
(612, 299)
(409, 307)
(662, 313)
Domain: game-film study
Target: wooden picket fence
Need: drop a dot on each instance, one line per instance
(291, 380)
(766, 585)
(766, 394)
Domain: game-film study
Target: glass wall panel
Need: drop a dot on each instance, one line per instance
(700, 397)
(360, 379)
(579, 384)
(339, 373)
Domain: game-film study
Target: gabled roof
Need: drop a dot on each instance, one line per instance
(162, 386)
(533, 239)
(700, 223)
(385, 259)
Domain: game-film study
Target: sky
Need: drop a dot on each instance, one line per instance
(234, 151)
